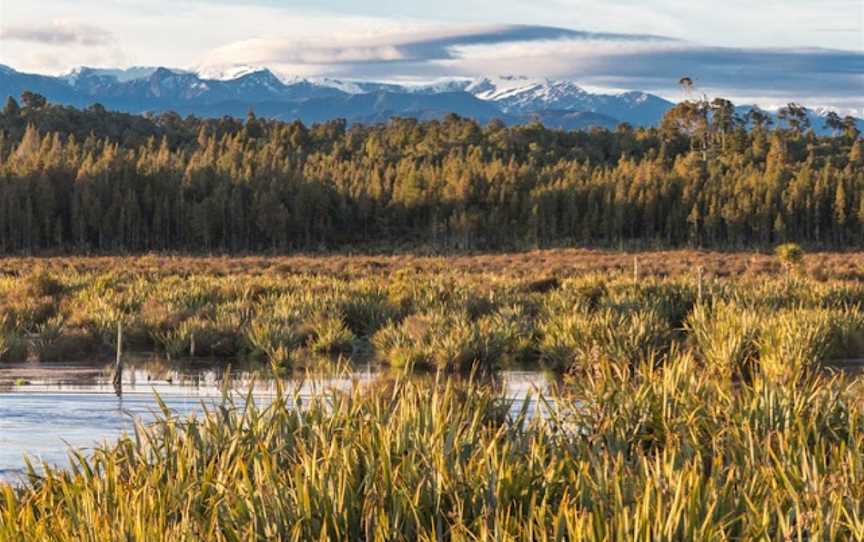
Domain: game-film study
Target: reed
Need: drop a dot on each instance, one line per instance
(652, 453)
(436, 318)
(686, 415)
(13, 348)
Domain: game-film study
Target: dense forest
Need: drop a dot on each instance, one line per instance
(98, 181)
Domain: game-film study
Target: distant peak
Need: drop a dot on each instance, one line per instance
(261, 74)
(119, 74)
(259, 71)
(232, 72)
(161, 70)
(635, 96)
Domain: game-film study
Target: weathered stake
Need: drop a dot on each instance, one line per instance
(635, 271)
(117, 377)
(699, 274)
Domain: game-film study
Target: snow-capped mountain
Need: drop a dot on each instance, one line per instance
(119, 74)
(816, 117)
(521, 94)
(356, 87)
(225, 73)
(235, 90)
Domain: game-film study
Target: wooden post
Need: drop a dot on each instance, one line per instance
(117, 377)
(192, 345)
(635, 271)
(699, 273)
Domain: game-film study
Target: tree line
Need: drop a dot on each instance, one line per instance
(98, 181)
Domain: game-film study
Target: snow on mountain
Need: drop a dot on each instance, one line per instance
(519, 94)
(258, 80)
(233, 72)
(171, 84)
(119, 74)
(355, 87)
(225, 73)
(241, 87)
(248, 75)
(822, 112)
(348, 87)
(437, 86)
(635, 97)
(236, 89)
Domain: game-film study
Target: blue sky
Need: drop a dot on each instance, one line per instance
(763, 51)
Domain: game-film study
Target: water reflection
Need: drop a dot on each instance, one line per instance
(44, 412)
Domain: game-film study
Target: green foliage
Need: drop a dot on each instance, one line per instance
(40, 283)
(454, 321)
(799, 340)
(13, 348)
(581, 340)
(726, 336)
(273, 338)
(330, 335)
(653, 454)
(683, 421)
(790, 254)
(784, 344)
(107, 182)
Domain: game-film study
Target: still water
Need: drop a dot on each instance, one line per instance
(45, 417)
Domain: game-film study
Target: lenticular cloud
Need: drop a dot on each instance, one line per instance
(605, 60)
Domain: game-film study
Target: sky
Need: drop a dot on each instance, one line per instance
(753, 51)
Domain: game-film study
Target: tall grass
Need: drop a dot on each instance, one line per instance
(686, 417)
(444, 319)
(652, 453)
(783, 344)
(12, 347)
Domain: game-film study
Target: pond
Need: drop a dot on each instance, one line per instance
(46, 411)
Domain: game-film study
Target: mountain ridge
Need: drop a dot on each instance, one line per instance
(513, 99)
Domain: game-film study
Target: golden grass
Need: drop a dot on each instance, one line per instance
(531, 264)
(684, 417)
(653, 455)
(422, 315)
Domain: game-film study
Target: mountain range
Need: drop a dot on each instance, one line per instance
(512, 99)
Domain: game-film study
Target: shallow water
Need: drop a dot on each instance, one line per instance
(44, 418)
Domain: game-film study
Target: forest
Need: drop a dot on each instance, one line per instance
(95, 181)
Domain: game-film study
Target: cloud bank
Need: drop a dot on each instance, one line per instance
(59, 33)
(378, 43)
(619, 61)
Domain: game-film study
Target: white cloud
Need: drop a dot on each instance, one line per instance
(620, 61)
(379, 39)
(293, 51)
(410, 50)
(59, 32)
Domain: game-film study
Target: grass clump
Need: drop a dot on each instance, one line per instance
(41, 283)
(272, 338)
(440, 318)
(13, 348)
(330, 335)
(798, 341)
(651, 453)
(786, 344)
(578, 341)
(726, 336)
(456, 342)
